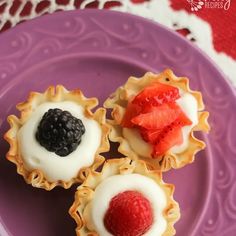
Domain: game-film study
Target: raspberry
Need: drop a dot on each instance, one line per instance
(129, 214)
(59, 132)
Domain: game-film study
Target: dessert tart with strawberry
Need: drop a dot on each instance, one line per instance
(56, 137)
(154, 118)
(125, 198)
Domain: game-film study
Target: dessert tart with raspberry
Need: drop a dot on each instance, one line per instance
(154, 118)
(56, 137)
(125, 198)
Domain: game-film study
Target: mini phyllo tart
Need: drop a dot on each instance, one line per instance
(125, 198)
(154, 118)
(56, 137)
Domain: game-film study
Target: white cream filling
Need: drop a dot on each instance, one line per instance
(116, 184)
(188, 104)
(53, 166)
(137, 143)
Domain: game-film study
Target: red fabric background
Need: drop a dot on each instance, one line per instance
(223, 24)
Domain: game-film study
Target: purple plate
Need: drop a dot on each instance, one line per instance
(97, 51)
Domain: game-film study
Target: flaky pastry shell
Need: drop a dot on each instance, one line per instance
(53, 94)
(118, 102)
(122, 166)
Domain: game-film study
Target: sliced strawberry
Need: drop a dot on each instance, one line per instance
(151, 135)
(157, 94)
(158, 118)
(132, 110)
(150, 108)
(182, 119)
(169, 137)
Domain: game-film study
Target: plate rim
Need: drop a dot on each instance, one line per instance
(105, 11)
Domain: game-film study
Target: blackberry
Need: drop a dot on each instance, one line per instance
(59, 132)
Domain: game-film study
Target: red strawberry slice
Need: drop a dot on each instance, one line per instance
(169, 137)
(157, 94)
(132, 110)
(182, 119)
(129, 214)
(151, 135)
(157, 118)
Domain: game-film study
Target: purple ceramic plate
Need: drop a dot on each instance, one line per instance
(97, 51)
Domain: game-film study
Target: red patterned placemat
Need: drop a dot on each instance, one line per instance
(221, 15)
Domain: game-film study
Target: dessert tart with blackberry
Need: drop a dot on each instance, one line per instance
(154, 118)
(56, 137)
(125, 198)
